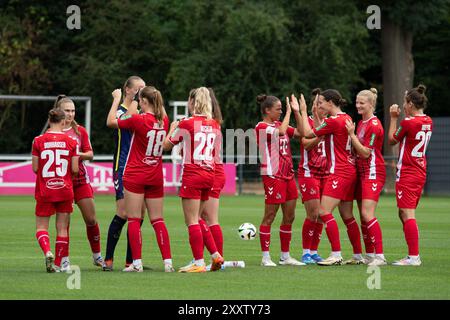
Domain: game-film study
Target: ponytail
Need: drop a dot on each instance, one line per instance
(154, 98)
(216, 112)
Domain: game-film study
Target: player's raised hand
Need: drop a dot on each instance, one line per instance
(294, 103)
(288, 106)
(350, 126)
(303, 107)
(394, 110)
(117, 94)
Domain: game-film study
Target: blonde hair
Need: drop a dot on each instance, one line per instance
(154, 97)
(202, 101)
(60, 101)
(371, 95)
(129, 84)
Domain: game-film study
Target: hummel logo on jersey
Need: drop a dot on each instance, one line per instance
(323, 125)
(335, 183)
(400, 194)
(270, 190)
(311, 233)
(267, 243)
(374, 186)
(303, 187)
(125, 117)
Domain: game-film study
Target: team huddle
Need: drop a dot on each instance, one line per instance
(338, 165)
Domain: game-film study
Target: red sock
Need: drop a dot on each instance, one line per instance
(308, 233)
(332, 230)
(285, 237)
(196, 241)
(61, 249)
(375, 235)
(264, 237)
(135, 237)
(317, 235)
(354, 235)
(367, 241)
(43, 240)
(208, 239)
(216, 232)
(93, 234)
(162, 236)
(412, 236)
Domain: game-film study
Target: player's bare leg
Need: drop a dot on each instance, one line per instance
(270, 211)
(288, 209)
(87, 208)
(327, 205)
(155, 212)
(408, 218)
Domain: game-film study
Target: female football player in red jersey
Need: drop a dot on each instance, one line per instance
(368, 144)
(340, 185)
(277, 174)
(413, 134)
(143, 175)
(84, 195)
(312, 174)
(54, 160)
(209, 219)
(122, 140)
(198, 134)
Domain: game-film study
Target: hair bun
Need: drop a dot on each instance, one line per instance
(374, 91)
(342, 103)
(316, 91)
(421, 88)
(260, 98)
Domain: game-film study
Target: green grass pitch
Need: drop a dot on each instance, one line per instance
(23, 276)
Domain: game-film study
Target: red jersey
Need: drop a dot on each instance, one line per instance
(341, 161)
(414, 134)
(276, 153)
(371, 135)
(55, 151)
(84, 145)
(144, 162)
(314, 161)
(200, 138)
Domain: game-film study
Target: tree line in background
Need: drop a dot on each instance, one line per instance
(240, 48)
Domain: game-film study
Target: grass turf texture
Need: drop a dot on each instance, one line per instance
(23, 276)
